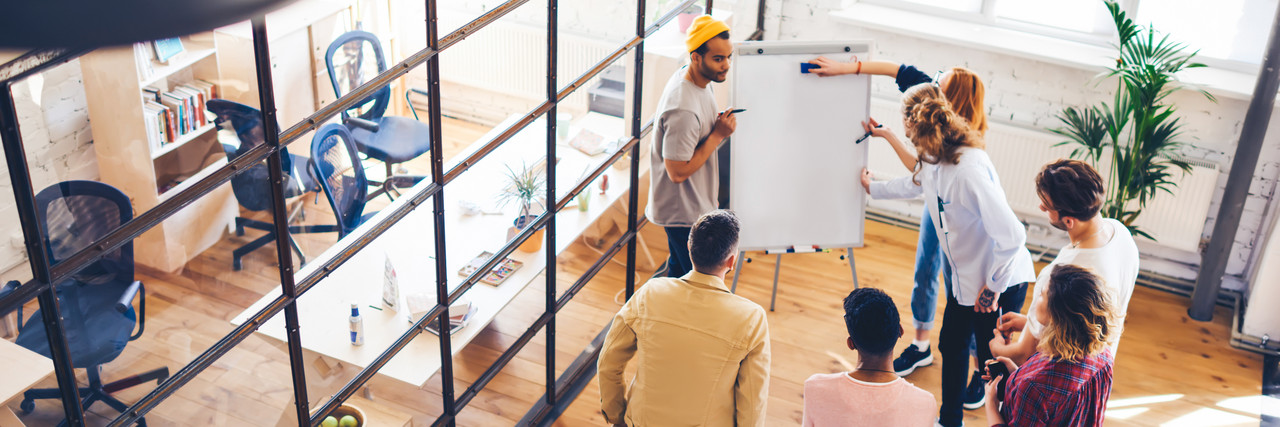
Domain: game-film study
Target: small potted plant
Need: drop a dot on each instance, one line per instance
(525, 187)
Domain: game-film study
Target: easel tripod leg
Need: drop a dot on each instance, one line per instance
(737, 272)
(853, 268)
(777, 266)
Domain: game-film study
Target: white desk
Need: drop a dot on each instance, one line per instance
(20, 369)
(323, 311)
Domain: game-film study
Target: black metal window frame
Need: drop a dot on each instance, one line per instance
(45, 273)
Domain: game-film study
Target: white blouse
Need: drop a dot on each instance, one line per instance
(983, 241)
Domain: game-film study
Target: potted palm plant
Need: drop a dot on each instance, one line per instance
(1135, 138)
(524, 187)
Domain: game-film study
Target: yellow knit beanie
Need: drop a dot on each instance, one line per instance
(703, 28)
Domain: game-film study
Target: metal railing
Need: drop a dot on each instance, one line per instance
(45, 273)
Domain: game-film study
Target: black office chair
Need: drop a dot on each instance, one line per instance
(250, 187)
(333, 156)
(96, 304)
(353, 59)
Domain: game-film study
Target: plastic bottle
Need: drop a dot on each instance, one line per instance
(357, 326)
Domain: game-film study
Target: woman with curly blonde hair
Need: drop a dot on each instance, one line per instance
(1068, 380)
(965, 91)
(982, 242)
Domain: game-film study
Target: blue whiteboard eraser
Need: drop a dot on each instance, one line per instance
(805, 67)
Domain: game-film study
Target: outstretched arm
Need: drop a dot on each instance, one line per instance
(906, 153)
(828, 67)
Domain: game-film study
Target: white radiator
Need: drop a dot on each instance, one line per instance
(1176, 221)
(510, 58)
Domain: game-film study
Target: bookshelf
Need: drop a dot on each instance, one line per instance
(169, 147)
(150, 173)
(186, 59)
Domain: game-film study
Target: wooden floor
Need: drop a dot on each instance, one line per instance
(1170, 370)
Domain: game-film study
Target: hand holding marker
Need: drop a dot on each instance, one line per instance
(868, 134)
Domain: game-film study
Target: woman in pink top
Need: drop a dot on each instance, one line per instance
(871, 394)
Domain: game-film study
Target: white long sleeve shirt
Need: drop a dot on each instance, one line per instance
(981, 238)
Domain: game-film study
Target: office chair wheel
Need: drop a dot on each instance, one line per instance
(27, 406)
(239, 229)
(236, 265)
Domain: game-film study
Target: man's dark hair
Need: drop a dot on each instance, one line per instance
(1072, 187)
(713, 239)
(702, 48)
(872, 320)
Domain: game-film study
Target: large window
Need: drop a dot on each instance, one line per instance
(1228, 33)
(1233, 30)
(1083, 16)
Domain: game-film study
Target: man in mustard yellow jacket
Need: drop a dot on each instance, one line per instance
(702, 353)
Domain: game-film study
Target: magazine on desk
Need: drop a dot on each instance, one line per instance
(459, 313)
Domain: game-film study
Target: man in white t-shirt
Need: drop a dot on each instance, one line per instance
(1071, 192)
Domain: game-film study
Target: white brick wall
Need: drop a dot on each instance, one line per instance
(54, 122)
(1028, 93)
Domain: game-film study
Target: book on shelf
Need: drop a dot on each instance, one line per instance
(210, 90)
(199, 97)
(166, 120)
(178, 105)
(166, 49)
(150, 116)
(175, 113)
(142, 60)
(151, 93)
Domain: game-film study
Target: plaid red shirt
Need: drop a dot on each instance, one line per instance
(1045, 392)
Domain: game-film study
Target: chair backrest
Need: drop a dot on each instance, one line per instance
(353, 59)
(76, 214)
(251, 186)
(333, 156)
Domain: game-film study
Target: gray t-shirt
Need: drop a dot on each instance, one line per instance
(686, 114)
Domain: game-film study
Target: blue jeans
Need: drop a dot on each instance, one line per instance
(924, 295)
(678, 262)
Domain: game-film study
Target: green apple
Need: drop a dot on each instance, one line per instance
(347, 421)
(329, 421)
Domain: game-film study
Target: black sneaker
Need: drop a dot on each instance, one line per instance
(910, 359)
(975, 395)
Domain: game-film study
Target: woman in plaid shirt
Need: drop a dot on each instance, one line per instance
(1067, 382)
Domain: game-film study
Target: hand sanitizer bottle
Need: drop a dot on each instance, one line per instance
(357, 326)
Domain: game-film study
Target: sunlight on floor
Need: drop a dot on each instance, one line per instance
(1256, 405)
(1206, 417)
(1126, 413)
(1145, 400)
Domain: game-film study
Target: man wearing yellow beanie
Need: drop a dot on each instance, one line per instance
(684, 174)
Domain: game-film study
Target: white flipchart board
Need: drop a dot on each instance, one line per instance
(794, 177)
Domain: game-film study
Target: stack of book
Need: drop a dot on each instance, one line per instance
(172, 114)
(142, 55)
